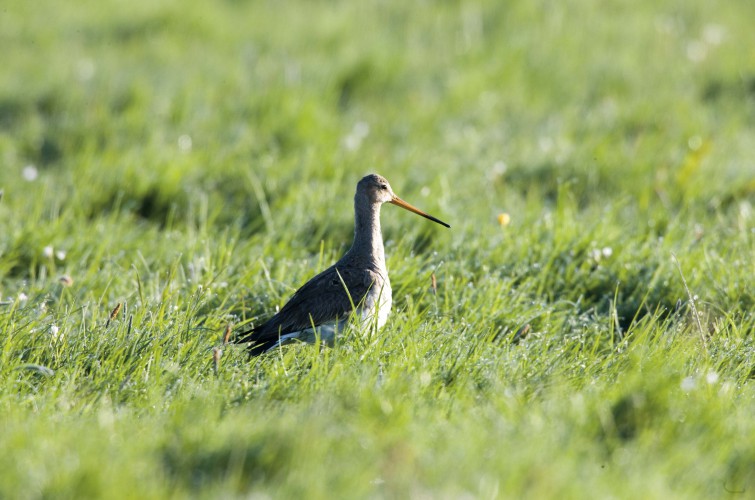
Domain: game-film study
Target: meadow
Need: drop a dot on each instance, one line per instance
(171, 168)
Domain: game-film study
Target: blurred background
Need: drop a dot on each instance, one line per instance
(148, 106)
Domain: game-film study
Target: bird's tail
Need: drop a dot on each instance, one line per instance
(256, 345)
(245, 337)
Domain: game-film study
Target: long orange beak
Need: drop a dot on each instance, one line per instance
(401, 203)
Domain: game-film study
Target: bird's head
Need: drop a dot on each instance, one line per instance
(376, 189)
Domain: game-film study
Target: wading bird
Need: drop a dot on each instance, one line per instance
(358, 282)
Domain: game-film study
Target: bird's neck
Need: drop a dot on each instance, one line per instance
(368, 240)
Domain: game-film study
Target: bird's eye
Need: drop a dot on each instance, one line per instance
(384, 186)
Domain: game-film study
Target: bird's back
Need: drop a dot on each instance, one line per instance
(326, 300)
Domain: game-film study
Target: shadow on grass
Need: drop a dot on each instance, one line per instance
(195, 464)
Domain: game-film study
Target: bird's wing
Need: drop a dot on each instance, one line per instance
(320, 300)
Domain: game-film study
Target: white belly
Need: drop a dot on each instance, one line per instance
(383, 309)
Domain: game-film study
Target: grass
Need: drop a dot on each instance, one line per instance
(195, 163)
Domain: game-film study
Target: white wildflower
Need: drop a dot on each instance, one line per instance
(688, 384)
(30, 173)
(185, 143)
(354, 138)
(56, 333)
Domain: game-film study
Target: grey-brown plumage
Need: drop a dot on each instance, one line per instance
(357, 282)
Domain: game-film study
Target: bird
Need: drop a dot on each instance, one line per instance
(356, 284)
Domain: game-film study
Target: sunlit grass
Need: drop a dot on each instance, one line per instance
(195, 165)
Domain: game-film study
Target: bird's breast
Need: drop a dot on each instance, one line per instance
(377, 302)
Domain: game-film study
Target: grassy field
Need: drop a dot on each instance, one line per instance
(196, 162)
